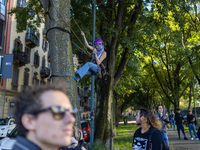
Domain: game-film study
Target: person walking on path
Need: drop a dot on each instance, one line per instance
(148, 122)
(163, 118)
(44, 117)
(171, 120)
(191, 124)
(179, 123)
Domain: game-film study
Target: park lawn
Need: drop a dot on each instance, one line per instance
(124, 138)
(186, 129)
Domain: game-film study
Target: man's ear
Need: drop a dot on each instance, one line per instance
(28, 121)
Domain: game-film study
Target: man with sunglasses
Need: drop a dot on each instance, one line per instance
(44, 117)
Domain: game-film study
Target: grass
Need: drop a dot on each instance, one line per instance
(124, 138)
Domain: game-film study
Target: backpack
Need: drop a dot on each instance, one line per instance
(165, 146)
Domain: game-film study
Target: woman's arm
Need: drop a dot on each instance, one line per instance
(99, 60)
(85, 40)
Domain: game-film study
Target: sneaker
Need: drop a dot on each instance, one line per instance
(192, 139)
(197, 139)
(185, 138)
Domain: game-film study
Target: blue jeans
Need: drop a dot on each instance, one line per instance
(172, 123)
(165, 137)
(87, 69)
(180, 126)
(192, 127)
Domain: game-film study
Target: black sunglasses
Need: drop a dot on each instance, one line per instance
(58, 112)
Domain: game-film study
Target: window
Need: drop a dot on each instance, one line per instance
(43, 62)
(26, 79)
(18, 46)
(12, 105)
(3, 1)
(21, 3)
(15, 76)
(2, 7)
(35, 81)
(38, 38)
(45, 45)
(49, 65)
(1, 32)
(36, 60)
(28, 53)
(15, 79)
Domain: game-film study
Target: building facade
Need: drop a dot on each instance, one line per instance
(31, 64)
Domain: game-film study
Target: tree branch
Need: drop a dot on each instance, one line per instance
(124, 59)
(160, 81)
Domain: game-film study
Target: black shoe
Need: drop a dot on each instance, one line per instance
(185, 138)
(179, 138)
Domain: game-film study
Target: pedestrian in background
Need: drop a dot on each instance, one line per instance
(179, 123)
(172, 119)
(191, 120)
(44, 117)
(77, 142)
(148, 135)
(163, 118)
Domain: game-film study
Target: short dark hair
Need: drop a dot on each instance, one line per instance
(158, 106)
(29, 102)
(178, 109)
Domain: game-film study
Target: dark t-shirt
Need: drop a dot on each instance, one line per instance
(140, 141)
(179, 118)
(190, 118)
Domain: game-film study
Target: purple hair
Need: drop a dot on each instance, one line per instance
(98, 41)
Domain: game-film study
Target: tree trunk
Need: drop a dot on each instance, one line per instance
(176, 105)
(115, 121)
(116, 114)
(190, 97)
(104, 113)
(61, 57)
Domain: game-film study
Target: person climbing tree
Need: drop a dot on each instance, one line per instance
(95, 67)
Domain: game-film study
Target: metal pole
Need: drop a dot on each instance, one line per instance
(194, 100)
(92, 88)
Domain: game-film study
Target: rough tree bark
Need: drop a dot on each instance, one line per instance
(61, 57)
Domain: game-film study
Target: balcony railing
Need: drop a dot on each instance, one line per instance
(20, 58)
(45, 72)
(31, 40)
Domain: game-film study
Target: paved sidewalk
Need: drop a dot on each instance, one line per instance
(176, 144)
